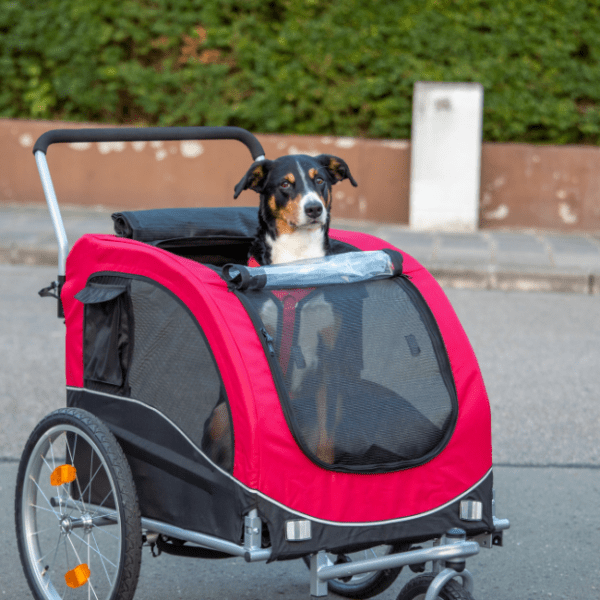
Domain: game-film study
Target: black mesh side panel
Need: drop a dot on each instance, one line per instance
(367, 383)
(173, 370)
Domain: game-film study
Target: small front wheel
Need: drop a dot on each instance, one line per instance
(77, 516)
(416, 589)
(365, 585)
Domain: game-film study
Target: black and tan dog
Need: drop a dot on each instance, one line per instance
(295, 205)
(293, 224)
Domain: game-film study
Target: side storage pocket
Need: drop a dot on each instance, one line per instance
(107, 336)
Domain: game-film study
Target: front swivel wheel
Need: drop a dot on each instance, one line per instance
(416, 589)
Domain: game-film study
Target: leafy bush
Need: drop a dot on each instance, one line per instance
(303, 66)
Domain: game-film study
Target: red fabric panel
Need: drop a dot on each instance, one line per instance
(227, 326)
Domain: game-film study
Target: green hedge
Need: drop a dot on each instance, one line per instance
(303, 66)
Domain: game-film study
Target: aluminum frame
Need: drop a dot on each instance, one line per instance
(51, 200)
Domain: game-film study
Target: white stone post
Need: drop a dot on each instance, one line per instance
(446, 156)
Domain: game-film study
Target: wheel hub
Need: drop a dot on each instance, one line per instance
(66, 525)
(87, 522)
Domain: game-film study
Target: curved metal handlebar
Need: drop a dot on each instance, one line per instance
(149, 134)
(121, 134)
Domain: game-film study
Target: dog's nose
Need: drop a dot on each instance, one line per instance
(313, 209)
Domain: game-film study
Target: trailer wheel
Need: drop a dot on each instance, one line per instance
(77, 516)
(365, 585)
(416, 589)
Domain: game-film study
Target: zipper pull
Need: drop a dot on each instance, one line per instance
(269, 341)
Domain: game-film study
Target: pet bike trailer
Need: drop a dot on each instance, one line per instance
(330, 410)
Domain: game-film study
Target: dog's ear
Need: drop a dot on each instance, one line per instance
(337, 168)
(255, 178)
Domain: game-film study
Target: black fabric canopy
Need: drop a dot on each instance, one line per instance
(160, 224)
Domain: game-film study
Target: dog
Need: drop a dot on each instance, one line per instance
(293, 224)
(295, 205)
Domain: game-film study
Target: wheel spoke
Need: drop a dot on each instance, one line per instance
(101, 558)
(32, 533)
(45, 497)
(73, 546)
(46, 509)
(110, 492)
(41, 559)
(73, 462)
(89, 485)
(52, 452)
(103, 529)
(55, 552)
(96, 551)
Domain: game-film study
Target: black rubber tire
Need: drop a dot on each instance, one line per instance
(416, 589)
(117, 513)
(376, 584)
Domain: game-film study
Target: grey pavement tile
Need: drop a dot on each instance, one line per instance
(407, 237)
(466, 250)
(513, 250)
(514, 242)
(463, 259)
(573, 244)
(419, 245)
(475, 241)
(577, 253)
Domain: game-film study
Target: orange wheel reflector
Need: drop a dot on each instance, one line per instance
(78, 576)
(63, 474)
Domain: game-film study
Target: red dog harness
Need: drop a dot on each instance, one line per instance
(290, 299)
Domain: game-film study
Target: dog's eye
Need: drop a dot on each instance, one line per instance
(285, 184)
(319, 180)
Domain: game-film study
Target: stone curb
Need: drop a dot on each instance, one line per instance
(490, 278)
(517, 281)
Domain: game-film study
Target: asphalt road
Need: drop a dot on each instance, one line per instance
(540, 357)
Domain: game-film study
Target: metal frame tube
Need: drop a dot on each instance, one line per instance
(413, 557)
(57, 222)
(207, 541)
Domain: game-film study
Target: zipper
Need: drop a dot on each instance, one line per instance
(269, 340)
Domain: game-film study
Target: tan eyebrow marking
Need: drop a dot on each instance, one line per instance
(290, 177)
(312, 173)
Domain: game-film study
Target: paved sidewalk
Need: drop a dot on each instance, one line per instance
(490, 259)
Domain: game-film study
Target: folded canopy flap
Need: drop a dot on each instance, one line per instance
(173, 223)
(95, 293)
(350, 267)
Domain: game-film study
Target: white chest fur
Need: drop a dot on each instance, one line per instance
(300, 245)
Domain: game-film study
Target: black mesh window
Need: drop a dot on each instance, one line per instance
(366, 382)
(173, 370)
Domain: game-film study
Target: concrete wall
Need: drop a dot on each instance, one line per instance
(521, 185)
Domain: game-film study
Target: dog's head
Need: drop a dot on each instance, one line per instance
(295, 190)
